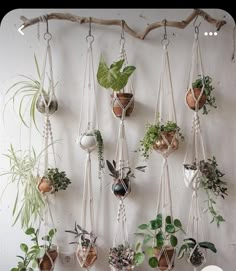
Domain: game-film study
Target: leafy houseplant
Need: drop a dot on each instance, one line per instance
(25, 261)
(55, 180)
(156, 137)
(29, 204)
(210, 181)
(87, 253)
(160, 232)
(207, 99)
(29, 87)
(193, 251)
(121, 186)
(43, 255)
(116, 79)
(100, 150)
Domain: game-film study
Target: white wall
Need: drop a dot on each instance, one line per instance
(69, 48)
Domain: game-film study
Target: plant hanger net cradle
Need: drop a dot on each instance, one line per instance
(86, 254)
(47, 109)
(125, 103)
(194, 154)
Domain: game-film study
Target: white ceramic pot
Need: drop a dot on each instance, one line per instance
(88, 141)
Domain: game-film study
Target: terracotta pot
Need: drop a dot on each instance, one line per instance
(91, 257)
(44, 185)
(162, 263)
(160, 144)
(190, 99)
(45, 263)
(118, 188)
(124, 99)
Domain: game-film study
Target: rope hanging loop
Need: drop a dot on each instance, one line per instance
(165, 42)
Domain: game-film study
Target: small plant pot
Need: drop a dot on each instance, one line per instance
(40, 105)
(124, 99)
(197, 258)
(120, 189)
(162, 263)
(91, 257)
(44, 186)
(45, 263)
(161, 146)
(191, 101)
(88, 141)
(190, 176)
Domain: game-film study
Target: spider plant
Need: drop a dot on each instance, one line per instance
(28, 92)
(29, 203)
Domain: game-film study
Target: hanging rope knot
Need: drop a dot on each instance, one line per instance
(196, 122)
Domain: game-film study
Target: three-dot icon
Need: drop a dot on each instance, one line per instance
(210, 33)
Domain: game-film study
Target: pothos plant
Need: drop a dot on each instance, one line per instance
(114, 77)
(157, 234)
(27, 91)
(29, 203)
(153, 133)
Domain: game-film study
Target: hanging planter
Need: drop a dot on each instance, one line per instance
(163, 138)
(121, 187)
(194, 251)
(165, 256)
(86, 251)
(47, 262)
(191, 173)
(113, 77)
(88, 141)
(42, 101)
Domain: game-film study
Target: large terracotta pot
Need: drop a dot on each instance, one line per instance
(45, 186)
(124, 99)
(190, 99)
(45, 263)
(119, 189)
(160, 144)
(162, 263)
(91, 257)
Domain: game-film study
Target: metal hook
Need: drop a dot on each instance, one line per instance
(47, 35)
(122, 34)
(196, 27)
(165, 32)
(165, 41)
(90, 26)
(90, 37)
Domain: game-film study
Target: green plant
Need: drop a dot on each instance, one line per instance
(29, 203)
(153, 133)
(58, 179)
(100, 149)
(25, 260)
(208, 88)
(160, 232)
(113, 77)
(124, 173)
(193, 252)
(85, 236)
(211, 182)
(28, 91)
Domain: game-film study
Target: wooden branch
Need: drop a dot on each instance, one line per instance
(130, 31)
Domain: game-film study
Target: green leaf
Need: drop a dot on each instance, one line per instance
(173, 241)
(139, 258)
(29, 231)
(168, 219)
(143, 226)
(24, 248)
(146, 239)
(149, 251)
(170, 228)
(208, 245)
(182, 250)
(153, 262)
(177, 223)
(137, 246)
(14, 269)
(155, 224)
(52, 232)
(159, 216)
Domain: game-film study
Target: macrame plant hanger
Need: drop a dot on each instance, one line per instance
(86, 253)
(165, 100)
(47, 105)
(194, 154)
(124, 101)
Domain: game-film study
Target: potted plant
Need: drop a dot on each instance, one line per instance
(210, 180)
(160, 234)
(25, 261)
(54, 181)
(116, 79)
(43, 254)
(193, 251)
(29, 88)
(29, 203)
(160, 137)
(121, 186)
(86, 253)
(207, 99)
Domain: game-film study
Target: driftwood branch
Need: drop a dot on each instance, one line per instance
(130, 31)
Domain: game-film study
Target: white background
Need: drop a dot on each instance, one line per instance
(69, 48)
